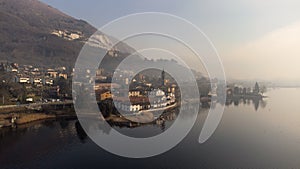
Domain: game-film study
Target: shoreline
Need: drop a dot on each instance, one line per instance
(11, 116)
(25, 116)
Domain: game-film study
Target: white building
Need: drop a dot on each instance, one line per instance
(134, 93)
(24, 80)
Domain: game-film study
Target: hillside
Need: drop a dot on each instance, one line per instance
(32, 32)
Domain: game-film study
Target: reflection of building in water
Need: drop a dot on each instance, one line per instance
(256, 101)
(236, 94)
(101, 125)
(80, 132)
(169, 115)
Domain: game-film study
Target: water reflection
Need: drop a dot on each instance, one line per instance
(266, 138)
(255, 101)
(139, 130)
(164, 121)
(64, 123)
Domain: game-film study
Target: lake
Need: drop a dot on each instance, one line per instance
(264, 134)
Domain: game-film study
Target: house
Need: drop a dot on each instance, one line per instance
(157, 93)
(52, 73)
(134, 93)
(64, 75)
(24, 80)
(37, 81)
(106, 86)
(99, 72)
(131, 104)
(14, 70)
(30, 99)
(105, 95)
(49, 82)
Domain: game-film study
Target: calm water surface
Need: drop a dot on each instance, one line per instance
(251, 135)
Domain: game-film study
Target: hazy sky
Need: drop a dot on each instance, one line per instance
(257, 39)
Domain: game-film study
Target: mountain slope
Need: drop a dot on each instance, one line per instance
(32, 32)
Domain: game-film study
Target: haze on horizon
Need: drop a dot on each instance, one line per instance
(255, 39)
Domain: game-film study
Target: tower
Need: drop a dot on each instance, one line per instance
(163, 78)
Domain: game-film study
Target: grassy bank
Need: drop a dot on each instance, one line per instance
(28, 118)
(24, 118)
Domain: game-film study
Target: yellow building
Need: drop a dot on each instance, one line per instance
(106, 95)
(64, 75)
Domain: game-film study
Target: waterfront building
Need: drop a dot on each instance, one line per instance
(106, 95)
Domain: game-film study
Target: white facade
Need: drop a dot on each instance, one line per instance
(29, 100)
(24, 80)
(37, 80)
(134, 94)
(127, 107)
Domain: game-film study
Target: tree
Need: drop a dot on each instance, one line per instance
(256, 89)
(64, 85)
